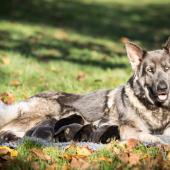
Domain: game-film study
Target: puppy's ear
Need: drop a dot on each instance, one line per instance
(135, 54)
(166, 46)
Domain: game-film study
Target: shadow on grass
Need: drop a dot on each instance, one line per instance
(60, 50)
(148, 23)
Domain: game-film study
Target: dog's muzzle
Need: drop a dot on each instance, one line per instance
(162, 91)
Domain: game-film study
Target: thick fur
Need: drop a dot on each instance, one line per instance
(137, 107)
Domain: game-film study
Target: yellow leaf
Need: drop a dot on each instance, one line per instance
(106, 159)
(5, 150)
(15, 83)
(85, 151)
(5, 60)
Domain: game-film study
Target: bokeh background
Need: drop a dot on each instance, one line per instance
(74, 45)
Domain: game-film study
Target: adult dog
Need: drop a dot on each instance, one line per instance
(141, 107)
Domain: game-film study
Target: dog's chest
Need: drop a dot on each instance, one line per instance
(157, 120)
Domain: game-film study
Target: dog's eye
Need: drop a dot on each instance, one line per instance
(149, 69)
(166, 68)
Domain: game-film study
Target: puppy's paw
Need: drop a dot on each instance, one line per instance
(8, 136)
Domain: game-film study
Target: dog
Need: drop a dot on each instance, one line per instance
(140, 108)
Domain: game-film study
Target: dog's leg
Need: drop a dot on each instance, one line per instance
(167, 131)
(127, 132)
(11, 112)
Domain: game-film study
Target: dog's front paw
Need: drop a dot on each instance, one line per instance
(148, 138)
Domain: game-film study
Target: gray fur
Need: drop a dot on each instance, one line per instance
(141, 107)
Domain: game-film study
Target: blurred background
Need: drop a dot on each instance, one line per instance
(74, 45)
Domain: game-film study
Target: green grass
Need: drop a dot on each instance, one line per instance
(50, 43)
(112, 156)
(74, 46)
(38, 62)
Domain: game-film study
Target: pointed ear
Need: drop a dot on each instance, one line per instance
(166, 46)
(135, 54)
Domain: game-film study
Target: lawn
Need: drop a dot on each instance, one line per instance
(74, 46)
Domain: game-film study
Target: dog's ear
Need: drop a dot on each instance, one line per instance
(166, 46)
(135, 54)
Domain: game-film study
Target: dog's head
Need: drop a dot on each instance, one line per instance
(151, 73)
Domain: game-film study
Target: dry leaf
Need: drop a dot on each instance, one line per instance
(124, 157)
(79, 163)
(81, 76)
(7, 98)
(134, 158)
(168, 156)
(165, 147)
(5, 60)
(124, 39)
(4, 150)
(67, 157)
(132, 143)
(65, 167)
(61, 35)
(84, 150)
(15, 83)
(40, 154)
(71, 148)
(35, 166)
(51, 167)
(106, 159)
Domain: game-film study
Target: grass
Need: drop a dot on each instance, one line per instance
(74, 46)
(60, 46)
(38, 62)
(113, 156)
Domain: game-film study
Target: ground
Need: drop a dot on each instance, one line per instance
(74, 46)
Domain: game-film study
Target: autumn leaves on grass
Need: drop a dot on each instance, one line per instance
(130, 154)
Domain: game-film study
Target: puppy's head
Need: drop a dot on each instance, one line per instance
(151, 72)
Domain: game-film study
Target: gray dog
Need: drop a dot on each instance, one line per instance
(141, 107)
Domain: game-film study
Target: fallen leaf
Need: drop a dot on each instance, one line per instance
(67, 157)
(106, 159)
(15, 83)
(61, 35)
(4, 150)
(51, 167)
(40, 154)
(65, 167)
(124, 39)
(81, 76)
(7, 98)
(168, 156)
(35, 166)
(124, 157)
(5, 60)
(71, 148)
(134, 158)
(132, 143)
(84, 150)
(165, 147)
(79, 163)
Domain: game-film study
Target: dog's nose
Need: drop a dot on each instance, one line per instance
(162, 86)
